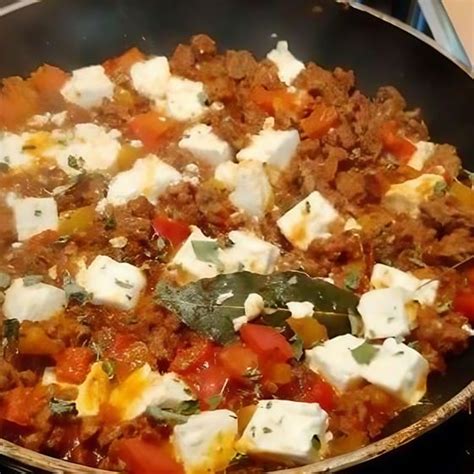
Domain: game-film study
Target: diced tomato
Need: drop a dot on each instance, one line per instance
(322, 119)
(237, 360)
(73, 364)
(147, 457)
(189, 359)
(171, 229)
(123, 63)
(48, 81)
(399, 146)
(464, 304)
(151, 128)
(266, 342)
(208, 383)
(319, 392)
(121, 344)
(21, 404)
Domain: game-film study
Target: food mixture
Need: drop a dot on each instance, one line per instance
(211, 262)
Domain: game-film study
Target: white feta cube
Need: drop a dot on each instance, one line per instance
(189, 267)
(149, 177)
(288, 66)
(170, 391)
(388, 312)
(206, 442)
(333, 360)
(34, 215)
(150, 78)
(399, 370)
(406, 197)
(12, 153)
(424, 151)
(33, 302)
(310, 219)
(93, 392)
(300, 309)
(274, 147)
(286, 431)
(185, 99)
(424, 290)
(86, 147)
(112, 283)
(203, 143)
(88, 87)
(249, 253)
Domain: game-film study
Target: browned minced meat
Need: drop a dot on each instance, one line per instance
(347, 165)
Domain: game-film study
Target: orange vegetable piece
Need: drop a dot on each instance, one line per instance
(33, 340)
(18, 102)
(77, 220)
(279, 374)
(127, 156)
(73, 364)
(392, 142)
(322, 119)
(463, 194)
(150, 128)
(269, 101)
(123, 63)
(309, 330)
(21, 404)
(244, 415)
(48, 81)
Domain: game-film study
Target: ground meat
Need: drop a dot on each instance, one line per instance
(445, 213)
(390, 102)
(240, 64)
(88, 191)
(452, 248)
(203, 46)
(351, 184)
(182, 61)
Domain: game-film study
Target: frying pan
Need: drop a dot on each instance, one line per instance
(379, 49)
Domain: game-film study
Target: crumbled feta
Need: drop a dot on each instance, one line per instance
(34, 215)
(406, 197)
(36, 302)
(333, 360)
(203, 143)
(352, 224)
(206, 442)
(285, 430)
(253, 305)
(93, 392)
(86, 147)
(38, 121)
(12, 153)
(187, 263)
(288, 66)
(238, 322)
(49, 378)
(424, 290)
(150, 78)
(185, 99)
(468, 328)
(59, 119)
(274, 147)
(88, 87)
(399, 370)
(424, 151)
(388, 312)
(191, 174)
(118, 242)
(170, 391)
(251, 191)
(149, 177)
(311, 218)
(224, 297)
(249, 253)
(112, 283)
(300, 310)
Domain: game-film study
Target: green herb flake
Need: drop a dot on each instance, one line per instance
(252, 374)
(110, 222)
(38, 212)
(440, 188)
(316, 442)
(188, 407)
(31, 280)
(297, 346)
(352, 280)
(75, 292)
(399, 353)
(76, 163)
(108, 366)
(11, 330)
(268, 405)
(5, 280)
(307, 207)
(214, 401)
(166, 417)
(62, 407)
(266, 430)
(207, 251)
(4, 167)
(123, 284)
(364, 353)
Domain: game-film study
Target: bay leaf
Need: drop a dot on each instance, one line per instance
(196, 304)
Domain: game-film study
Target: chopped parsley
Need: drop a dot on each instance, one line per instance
(352, 280)
(166, 417)
(307, 207)
(38, 212)
(253, 374)
(75, 292)
(123, 284)
(28, 147)
(110, 222)
(364, 353)
(76, 163)
(188, 407)
(266, 430)
(108, 366)
(62, 407)
(316, 442)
